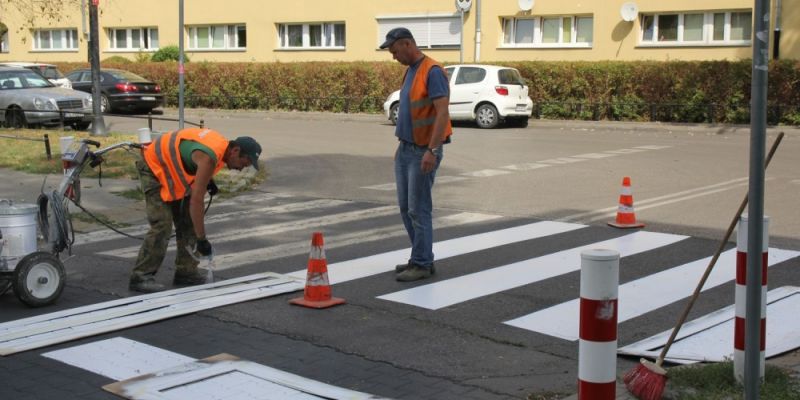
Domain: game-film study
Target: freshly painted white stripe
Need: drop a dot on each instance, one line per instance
(626, 151)
(119, 358)
(367, 266)
(260, 255)
(652, 147)
(314, 223)
(594, 155)
(486, 173)
(139, 314)
(227, 377)
(526, 166)
(107, 234)
(383, 186)
(436, 295)
(710, 337)
(597, 361)
(450, 178)
(562, 160)
(643, 295)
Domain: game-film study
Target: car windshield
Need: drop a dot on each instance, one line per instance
(22, 79)
(510, 77)
(50, 72)
(126, 76)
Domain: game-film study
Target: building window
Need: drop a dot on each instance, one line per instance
(312, 36)
(3, 39)
(717, 28)
(55, 39)
(430, 32)
(133, 38)
(218, 37)
(561, 31)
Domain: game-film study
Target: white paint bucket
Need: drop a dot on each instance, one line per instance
(144, 135)
(64, 142)
(18, 225)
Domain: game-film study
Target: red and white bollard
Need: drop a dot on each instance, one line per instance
(597, 348)
(741, 297)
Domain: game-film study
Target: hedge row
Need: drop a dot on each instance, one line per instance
(686, 91)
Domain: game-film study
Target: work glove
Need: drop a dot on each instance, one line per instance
(203, 247)
(212, 188)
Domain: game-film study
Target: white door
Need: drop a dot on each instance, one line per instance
(465, 89)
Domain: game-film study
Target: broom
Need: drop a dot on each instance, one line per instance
(647, 380)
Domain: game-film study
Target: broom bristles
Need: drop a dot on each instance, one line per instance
(646, 381)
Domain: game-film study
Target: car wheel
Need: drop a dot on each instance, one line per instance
(15, 118)
(105, 105)
(81, 126)
(393, 113)
(486, 117)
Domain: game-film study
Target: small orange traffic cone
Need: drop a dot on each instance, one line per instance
(317, 293)
(626, 218)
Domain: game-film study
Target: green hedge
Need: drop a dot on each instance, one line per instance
(681, 91)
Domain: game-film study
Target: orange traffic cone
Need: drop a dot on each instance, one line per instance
(317, 293)
(626, 218)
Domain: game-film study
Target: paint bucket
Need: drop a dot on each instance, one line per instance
(64, 142)
(144, 135)
(18, 225)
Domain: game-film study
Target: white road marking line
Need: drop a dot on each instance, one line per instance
(642, 295)
(627, 151)
(710, 337)
(486, 173)
(652, 147)
(384, 186)
(594, 155)
(384, 262)
(441, 294)
(314, 223)
(107, 234)
(526, 166)
(227, 261)
(562, 160)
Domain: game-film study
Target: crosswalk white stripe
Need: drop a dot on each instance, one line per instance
(643, 295)
(227, 261)
(313, 223)
(384, 262)
(107, 234)
(452, 291)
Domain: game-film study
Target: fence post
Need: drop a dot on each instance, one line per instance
(150, 121)
(61, 119)
(202, 123)
(653, 111)
(711, 113)
(47, 146)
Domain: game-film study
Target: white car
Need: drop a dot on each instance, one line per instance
(49, 71)
(486, 94)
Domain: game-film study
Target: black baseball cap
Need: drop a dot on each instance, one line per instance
(396, 34)
(249, 147)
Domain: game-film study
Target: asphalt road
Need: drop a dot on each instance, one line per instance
(333, 173)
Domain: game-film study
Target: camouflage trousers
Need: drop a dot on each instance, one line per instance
(162, 216)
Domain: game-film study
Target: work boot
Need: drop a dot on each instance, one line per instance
(189, 279)
(414, 273)
(145, 285)
(402, 267)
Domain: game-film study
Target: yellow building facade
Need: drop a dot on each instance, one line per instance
(352, 30)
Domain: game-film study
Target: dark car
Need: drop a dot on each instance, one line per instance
(120, 90)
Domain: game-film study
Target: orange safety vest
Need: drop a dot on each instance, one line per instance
(163, 156)
(423, 113)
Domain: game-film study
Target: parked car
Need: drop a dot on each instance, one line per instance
(486, 94)
(49, 71)
(27, 98)
(120, 90)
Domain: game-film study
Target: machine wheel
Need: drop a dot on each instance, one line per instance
(39, 279)
(393, 113)
(486, 117)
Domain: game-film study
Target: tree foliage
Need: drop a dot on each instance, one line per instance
(34, 12)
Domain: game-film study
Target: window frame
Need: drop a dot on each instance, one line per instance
(146, 34)
(231, 37)
(435, 31)
(326, 35)
(650, 38)
(564, 38)
(67, 36)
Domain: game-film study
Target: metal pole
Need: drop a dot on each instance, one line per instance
(758, 130)
(461, 46)
(776, 34)
(98, 124)
(477, 30)
(180, 64)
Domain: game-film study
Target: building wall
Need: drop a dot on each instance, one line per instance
(613, 38)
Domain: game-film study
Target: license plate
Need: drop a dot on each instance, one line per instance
(148, 98)
(73, 115)
(521, 107)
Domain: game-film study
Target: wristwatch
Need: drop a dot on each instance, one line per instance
(433, 150)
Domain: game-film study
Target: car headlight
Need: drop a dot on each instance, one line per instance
(87, 102)
(44, 104)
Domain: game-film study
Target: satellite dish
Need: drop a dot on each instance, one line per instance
(629, 11)
(463, 5)
(525, 5)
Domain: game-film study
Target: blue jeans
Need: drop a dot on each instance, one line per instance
(414, 199)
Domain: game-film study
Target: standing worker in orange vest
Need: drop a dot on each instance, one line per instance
(423, 127)
(175, 173)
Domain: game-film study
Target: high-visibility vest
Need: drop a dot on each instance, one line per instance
(423, 113)
(163, 156)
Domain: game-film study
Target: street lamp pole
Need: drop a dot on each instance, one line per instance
(98, 124)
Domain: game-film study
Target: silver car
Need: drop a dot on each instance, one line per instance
(29, 99)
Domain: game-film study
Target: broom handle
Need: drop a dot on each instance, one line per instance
(713, 261)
